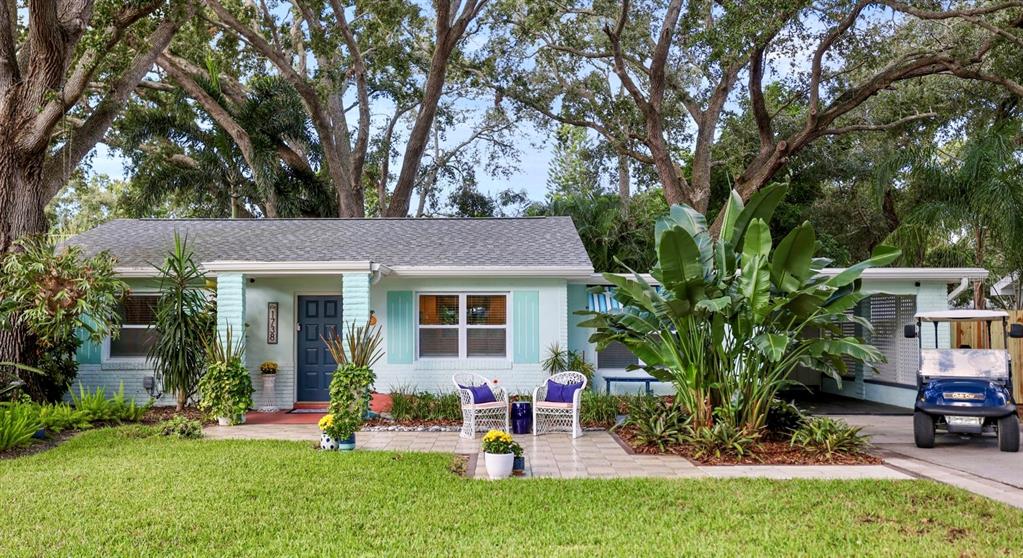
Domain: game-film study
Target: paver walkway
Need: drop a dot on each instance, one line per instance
(595, 454)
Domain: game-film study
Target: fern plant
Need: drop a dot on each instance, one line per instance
(18, 422)
(826, 437)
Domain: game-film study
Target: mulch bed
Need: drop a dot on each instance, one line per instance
(767, 452)
(38, 446)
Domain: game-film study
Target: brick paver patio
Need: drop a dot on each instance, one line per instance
(595, 454)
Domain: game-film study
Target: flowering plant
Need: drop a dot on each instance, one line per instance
(268, 367)
(326, 422)
(500, 442)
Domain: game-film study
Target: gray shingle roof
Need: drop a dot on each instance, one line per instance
(515, 242)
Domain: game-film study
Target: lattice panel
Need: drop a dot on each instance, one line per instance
(888, 313)
(909, 351)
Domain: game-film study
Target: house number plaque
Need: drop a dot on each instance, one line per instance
(271, 323)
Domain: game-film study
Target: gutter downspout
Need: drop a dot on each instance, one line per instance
(964, 284)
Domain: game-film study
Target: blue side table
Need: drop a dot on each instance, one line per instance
(522, 417)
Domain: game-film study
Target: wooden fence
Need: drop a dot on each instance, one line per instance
(975, 335)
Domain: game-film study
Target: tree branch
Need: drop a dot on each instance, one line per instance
(877, 127)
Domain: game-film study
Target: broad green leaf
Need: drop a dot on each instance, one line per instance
(678, 258)
(882, 255)
(791, 263)
(758, 241)
(714, 304)
(755, 285)
(760, 206)
(732, 209)
(772, 345)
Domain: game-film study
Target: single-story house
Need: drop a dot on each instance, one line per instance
(482, 295)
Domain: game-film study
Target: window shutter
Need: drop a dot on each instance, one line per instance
(89, 352)
(526, 326)
(400, 327)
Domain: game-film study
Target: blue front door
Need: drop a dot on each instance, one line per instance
(318, 316)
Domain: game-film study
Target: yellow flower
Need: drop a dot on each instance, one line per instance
(497, 436)
(326, 422)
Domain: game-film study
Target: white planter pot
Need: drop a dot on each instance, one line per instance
(499, 465)
(268, 401)
(226, 421)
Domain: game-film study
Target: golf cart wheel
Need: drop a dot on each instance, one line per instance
(1008, 433)
(923, 430)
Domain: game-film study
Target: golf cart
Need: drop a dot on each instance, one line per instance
(965, 391)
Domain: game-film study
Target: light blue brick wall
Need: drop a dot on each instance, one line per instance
(231, 306)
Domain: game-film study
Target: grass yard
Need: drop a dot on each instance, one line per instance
(106, 494)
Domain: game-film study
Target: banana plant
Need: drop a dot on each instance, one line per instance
(731, 317)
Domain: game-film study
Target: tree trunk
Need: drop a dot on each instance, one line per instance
(182, 400)
(21, 214)
(624, 187)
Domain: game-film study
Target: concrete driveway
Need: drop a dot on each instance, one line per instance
(978, 457)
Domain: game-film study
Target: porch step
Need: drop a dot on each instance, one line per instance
(310, 407)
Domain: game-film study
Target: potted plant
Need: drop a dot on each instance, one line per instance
(499, 451)
(327, 442)
(225, 390)
(519, 463)
(351, 386)
(268, 373)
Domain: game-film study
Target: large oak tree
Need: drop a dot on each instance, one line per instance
(653, 78)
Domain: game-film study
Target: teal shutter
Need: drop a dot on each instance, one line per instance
(578, 337)
(88, 351)
(526, 326)
(400, 329)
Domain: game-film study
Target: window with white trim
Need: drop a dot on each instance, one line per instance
(462, 325)
(138, 312)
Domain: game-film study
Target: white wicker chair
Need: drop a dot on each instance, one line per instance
(484, 416)
(550, 416)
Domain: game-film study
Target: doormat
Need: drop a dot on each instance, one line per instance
(307, 411)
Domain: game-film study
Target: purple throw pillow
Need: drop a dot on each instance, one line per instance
(480, 394)
(554, 390)
(568, 390)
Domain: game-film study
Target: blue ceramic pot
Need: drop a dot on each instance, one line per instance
(519, 464)
(348, 444)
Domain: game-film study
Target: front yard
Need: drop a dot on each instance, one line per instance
(104, 493)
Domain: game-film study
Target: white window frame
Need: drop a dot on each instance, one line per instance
(463, 326)
(107, 357)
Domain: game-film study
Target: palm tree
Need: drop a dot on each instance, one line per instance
(960, 201)
(179, 153)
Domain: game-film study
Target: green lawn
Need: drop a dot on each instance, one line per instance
(105, 494)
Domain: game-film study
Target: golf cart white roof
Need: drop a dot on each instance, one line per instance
(961, 315)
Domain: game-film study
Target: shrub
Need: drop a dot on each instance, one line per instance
(784, 418)
(96, 407)
(51, 300)
(58, 417)
(730, 317)
(225, 389)
(657, 422)
(18, 422)
(724, 438)
(402, 403)
(597, 408)
(180, 427)
(410, 405)
(349, 399)
(827, 436)
(563, 360)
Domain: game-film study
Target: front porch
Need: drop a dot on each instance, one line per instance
(284, 312)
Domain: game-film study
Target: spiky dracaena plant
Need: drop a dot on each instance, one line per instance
(734, 315)
(355, 354)
(184, 319)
